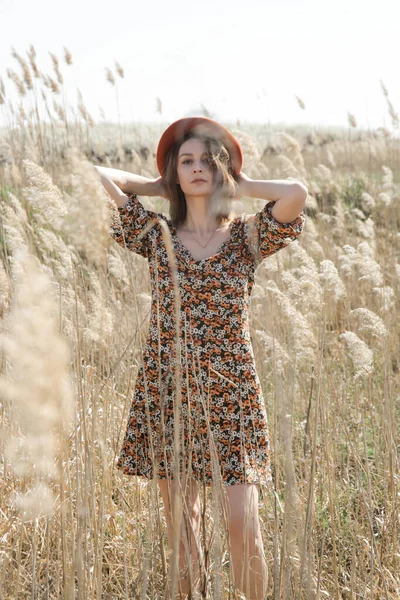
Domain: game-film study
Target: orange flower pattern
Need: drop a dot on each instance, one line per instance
(222, 421)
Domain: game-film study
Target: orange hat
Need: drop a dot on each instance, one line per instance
(202, 126)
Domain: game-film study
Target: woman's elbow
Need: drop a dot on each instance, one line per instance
(301, 192)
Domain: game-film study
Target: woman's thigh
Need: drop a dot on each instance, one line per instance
(242, 505)
(190, 497)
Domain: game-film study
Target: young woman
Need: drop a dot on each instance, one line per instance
(218, 401)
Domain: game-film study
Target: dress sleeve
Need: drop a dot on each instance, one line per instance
(127, 230)
(270, 235)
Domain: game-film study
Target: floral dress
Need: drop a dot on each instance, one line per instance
(197, 394)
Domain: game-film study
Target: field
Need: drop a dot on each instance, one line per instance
(74, 310)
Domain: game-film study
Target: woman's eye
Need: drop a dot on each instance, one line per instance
(188, 160)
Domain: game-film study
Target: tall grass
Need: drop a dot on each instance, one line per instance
(325, 331)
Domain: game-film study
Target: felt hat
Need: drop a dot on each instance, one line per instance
(203, 126)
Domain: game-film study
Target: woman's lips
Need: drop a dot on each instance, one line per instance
(199, 181)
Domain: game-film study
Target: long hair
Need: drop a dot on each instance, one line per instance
(225, 189)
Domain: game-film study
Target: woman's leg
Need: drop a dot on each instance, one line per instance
(190, 521)
(246, 545)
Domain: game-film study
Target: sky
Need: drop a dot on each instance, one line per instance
(245, 60)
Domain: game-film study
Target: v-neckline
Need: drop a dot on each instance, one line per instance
(219, 251)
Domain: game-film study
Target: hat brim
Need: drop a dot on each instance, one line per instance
(203, 126)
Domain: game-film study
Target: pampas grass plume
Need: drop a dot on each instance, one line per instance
(36, 383)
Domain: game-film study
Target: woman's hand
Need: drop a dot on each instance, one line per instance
(243, 186)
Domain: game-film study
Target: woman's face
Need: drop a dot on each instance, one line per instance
(194, 173)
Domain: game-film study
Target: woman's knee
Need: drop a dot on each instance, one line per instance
(244, 526)
(191, 508)
(242, 511)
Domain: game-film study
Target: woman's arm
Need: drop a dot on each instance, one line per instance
(115, 192)
(130, 183)
(289, 196)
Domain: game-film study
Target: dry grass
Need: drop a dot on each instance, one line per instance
(325, 330)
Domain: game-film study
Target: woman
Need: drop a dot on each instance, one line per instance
(220, 408)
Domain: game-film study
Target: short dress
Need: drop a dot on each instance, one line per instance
(197, 393)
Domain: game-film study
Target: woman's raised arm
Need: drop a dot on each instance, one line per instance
(289, 196)
(130, 183)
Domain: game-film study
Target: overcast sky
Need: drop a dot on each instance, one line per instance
(241, 59)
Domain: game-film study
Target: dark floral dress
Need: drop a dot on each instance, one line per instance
(218, 421)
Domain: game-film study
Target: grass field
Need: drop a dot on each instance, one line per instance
(325, 331)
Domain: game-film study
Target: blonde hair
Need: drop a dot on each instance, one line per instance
(219, 159)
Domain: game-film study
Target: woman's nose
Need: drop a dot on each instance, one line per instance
(197, 167)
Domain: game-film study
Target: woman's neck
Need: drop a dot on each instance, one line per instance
(199, 218)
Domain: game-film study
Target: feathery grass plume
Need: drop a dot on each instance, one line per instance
(67, 56)
(89, 209)
(5, 290)
(286, 166)
(12, 175)
(38, 502)
(47, 202)
(100, 318)
(56, 255)
(302, 282)
(119, 69)
(323, 173)
(251, 152)
(310, 238)
(368, 321)
(25, 68)
(291, 147)
(385, 298)
(17, 81)
(116, 265)
(348, 261)
(359, 263)
(31, 53)
(158, 106)
(384, 89)
(330, 158)
(144, 305)
(37, 381)
(73, 313)
(366, 230)
(312, 205)
(300, 102)
(369, 269)
(267, 267)
(393, 114)
(110, 77)
(19, 212)
(339, 219)
(50, 83)
(56, 68)
(15, 227)
(6, 157)
(331, 281)
(87, 117)
(59, 110)
(387, 179)
(351, 120)
(385, 199)
(300, 337)
(270, 347)
(367, 202)
(360, 354)
(357, 213)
